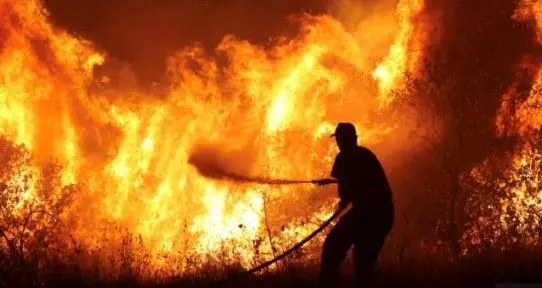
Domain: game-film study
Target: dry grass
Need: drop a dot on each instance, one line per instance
(36, 251)
(482, 270)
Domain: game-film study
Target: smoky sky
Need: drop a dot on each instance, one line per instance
(144, 32)
(483, 47)
(479, 35)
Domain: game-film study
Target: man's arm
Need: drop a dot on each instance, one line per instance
(334, 173)
(343, 203)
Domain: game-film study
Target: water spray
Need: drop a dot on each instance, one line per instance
(210, 167)
(220, 174)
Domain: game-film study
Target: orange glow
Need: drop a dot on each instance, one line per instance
(268, 112)
(402, 55)
(517, 214)
(531, 10)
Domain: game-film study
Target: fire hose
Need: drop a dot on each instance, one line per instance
(291, 250)
(211, 167)
(296, 246)
(212, 171)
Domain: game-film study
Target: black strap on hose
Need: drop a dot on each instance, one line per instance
(289, 251)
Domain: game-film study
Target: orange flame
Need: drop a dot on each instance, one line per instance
(402, 56)
(516, 216)
(268, 112)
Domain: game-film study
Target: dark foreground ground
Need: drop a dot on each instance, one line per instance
(483, 275)
(481, 272)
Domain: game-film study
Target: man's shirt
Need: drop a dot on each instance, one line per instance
(362, 181)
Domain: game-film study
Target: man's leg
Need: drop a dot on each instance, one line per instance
(366, 251)
(336, 246)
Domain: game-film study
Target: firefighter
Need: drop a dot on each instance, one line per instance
(363, 183)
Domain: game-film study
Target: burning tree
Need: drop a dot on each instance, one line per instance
(507, 201)
(32, 207)
(511, 216)
(456, 97)
(451, 123)
(441, 126)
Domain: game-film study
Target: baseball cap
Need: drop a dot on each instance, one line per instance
(344, 129)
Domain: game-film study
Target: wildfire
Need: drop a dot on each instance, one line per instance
(267, 112)
(515, 218)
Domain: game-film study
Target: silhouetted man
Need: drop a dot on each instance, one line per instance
(362, 182)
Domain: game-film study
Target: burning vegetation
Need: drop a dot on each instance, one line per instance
(103, 176)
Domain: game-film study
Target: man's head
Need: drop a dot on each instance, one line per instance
(345, 135)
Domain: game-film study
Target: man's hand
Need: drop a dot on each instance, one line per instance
(342, 205)
(322, 182)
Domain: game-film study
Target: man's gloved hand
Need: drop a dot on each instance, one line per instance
(322, 182)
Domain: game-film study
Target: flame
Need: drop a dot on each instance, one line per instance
(267, 112)
(515, 216)
(530, 10)
(402, 56)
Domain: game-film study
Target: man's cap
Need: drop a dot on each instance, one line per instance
(345, 129)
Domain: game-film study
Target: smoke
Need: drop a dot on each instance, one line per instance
(144, 33)
(212, 164)
(372, 23)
